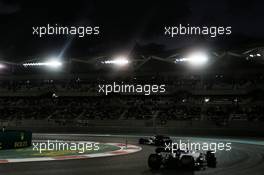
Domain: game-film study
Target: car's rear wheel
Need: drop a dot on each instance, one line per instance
(211, 159)
(154, 161)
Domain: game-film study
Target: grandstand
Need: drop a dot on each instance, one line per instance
(218, 95)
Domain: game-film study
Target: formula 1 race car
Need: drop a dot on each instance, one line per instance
(181, 159)
(157, 140)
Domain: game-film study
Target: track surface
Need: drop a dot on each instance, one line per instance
(244, 159)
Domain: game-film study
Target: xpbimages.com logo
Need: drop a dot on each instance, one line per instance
(146, 89)
(80, 31)
(212, 31)
(55, 145)
(198, 146)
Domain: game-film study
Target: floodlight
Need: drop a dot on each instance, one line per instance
(195, 59)
(51, 63)
(2, 66)
(181, 60)
(198, 58)
(119, 61)
(206, 100)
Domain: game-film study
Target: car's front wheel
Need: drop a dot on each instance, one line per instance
(154, 161)
(187, 162)
(141, 141)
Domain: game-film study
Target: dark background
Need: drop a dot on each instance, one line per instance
(124, 24)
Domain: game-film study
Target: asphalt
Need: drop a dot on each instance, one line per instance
(243, 159)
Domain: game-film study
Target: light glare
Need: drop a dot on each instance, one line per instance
(195, 59)
(198, 58)
(206, 100)
(2, 66)
(120, 61)
(51, 63)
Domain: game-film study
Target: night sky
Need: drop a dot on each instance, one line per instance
(124, 24)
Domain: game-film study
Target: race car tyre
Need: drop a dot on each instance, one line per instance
(211, 159)
(159, 150)
(158, 143)
(188, 162)
(141, 141)
(171, 162)
(154, 161)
